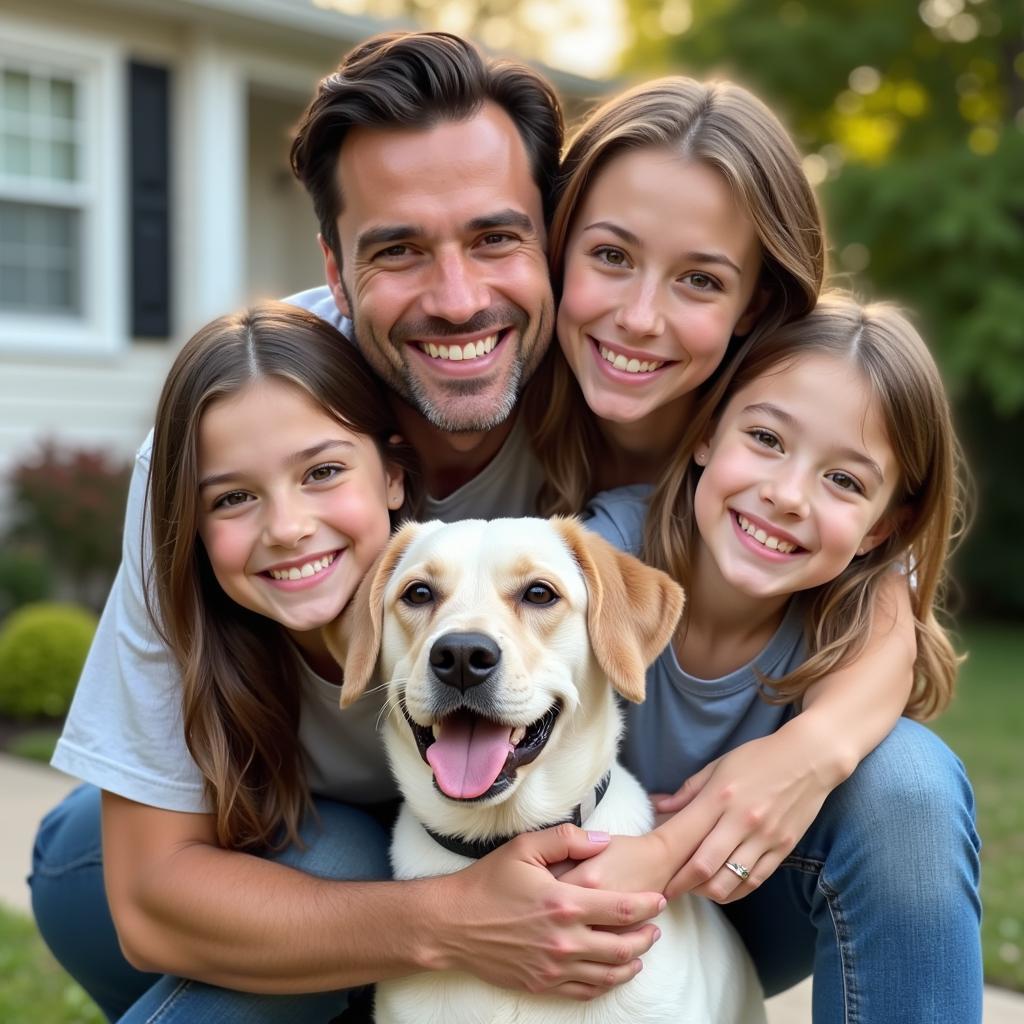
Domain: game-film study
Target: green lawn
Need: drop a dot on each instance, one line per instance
(36, 745)
(33, 988)
(984, 726)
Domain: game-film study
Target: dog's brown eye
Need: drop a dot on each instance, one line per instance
(539, 594)
(417, 593)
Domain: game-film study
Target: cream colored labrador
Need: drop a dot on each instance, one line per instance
(501, 644)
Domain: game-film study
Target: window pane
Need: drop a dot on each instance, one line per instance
(39, 259)
(59, 289)
(16, 154)
(13, 230)
(62, 98)
(56, 232)
(13, 286)
(15, 91)
(62, 160)
(40, 125)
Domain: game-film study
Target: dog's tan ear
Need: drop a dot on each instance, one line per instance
(353, 638)
(633, 609)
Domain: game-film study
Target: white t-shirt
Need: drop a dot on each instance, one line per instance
(124, 731)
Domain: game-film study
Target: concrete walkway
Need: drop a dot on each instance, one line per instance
(28, 790)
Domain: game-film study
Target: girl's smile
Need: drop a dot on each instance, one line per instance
(765, 539)
(297, 575)
(798, 478)
(294, 507)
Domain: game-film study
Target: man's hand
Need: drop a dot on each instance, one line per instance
(508, 921)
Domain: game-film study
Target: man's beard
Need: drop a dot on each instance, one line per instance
(416, 395)
(414, 391)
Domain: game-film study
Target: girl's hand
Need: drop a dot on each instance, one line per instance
(629, 864)
(749, 807)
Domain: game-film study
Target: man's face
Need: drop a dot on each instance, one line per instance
(444, 272)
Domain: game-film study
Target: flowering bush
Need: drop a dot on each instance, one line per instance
(70, 503)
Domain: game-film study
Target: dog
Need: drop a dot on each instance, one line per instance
(501, 645)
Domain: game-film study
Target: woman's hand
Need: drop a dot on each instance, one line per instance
(749, 808)
(629, 864)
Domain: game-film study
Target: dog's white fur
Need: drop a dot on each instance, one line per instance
(612, 617)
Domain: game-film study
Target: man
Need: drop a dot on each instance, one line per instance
(432, 209)
(431, 175)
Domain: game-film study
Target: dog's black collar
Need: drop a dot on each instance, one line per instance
(477, 848)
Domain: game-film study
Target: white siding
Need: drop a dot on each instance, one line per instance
(102, 405)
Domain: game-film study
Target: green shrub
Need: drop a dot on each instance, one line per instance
(26, 576)
(42, 651)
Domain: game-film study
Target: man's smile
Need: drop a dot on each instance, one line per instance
(459, 351)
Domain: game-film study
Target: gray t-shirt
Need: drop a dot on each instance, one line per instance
(124, 731)
(685, 722)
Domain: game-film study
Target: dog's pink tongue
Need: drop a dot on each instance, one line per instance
(468, 755)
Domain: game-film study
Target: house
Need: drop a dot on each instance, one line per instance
(144, 189)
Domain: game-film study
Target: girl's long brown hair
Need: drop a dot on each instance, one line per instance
(927, 507)
(240, 675)
(726, 127)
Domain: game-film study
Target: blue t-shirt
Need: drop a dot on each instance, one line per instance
(685, 722)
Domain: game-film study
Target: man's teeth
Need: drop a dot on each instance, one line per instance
(471, 350)
(297, 572)
(773, 543)
(620, 362)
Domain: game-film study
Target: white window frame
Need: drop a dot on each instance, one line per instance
(99, 328)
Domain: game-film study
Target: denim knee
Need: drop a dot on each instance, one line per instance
(903, 825)
(69, 836)
(69, 902)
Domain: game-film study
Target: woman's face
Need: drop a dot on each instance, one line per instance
(293, 506)
(661, 269)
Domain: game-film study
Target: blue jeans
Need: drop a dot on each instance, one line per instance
(879, 900)
(70, 907)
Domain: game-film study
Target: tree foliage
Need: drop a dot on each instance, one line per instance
(913, 114)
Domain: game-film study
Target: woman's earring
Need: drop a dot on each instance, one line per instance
(700, 457)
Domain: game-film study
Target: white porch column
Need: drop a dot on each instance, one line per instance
(214, 256)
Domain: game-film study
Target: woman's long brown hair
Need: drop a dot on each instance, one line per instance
(240, 675)
(724, 126)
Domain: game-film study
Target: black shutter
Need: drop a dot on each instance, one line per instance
(149, 211)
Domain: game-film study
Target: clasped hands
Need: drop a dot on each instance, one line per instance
(749, 807)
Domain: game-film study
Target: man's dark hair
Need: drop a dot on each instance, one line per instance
(416, 80)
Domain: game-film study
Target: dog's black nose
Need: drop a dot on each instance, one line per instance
(464, 659)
